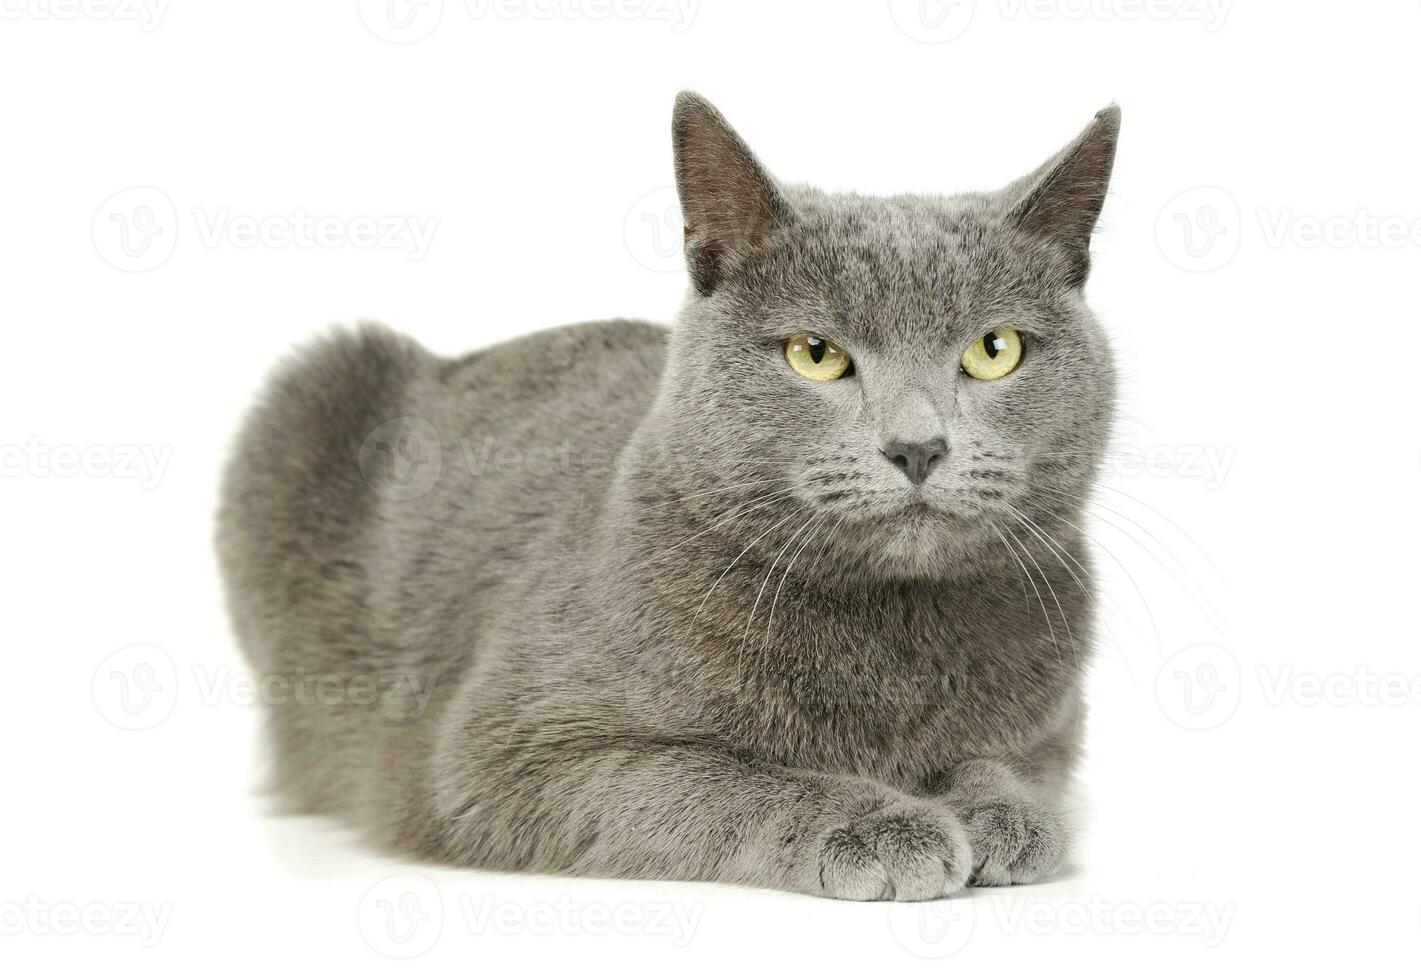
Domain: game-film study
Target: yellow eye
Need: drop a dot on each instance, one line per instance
(993, 355)
(816, 358)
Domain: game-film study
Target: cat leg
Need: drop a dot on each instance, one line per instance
(1018, 835)
(671, 811)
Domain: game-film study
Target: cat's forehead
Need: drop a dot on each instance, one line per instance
(886, 266)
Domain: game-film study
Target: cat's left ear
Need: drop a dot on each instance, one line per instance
(730, 203)
(1061, 200)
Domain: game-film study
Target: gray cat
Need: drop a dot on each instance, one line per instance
(790, 595)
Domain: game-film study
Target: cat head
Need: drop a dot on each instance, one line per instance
(903, 379)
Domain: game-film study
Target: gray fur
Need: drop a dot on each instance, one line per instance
(704, 629)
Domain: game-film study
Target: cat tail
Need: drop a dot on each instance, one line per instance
(302, 493)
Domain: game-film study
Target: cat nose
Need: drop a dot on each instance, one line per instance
(916, 459)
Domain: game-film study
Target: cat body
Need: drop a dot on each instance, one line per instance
(618, 600)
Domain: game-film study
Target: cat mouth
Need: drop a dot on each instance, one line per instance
(919, 514)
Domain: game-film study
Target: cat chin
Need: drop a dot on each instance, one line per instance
(921, 541)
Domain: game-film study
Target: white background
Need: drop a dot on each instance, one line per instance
(1250, 795)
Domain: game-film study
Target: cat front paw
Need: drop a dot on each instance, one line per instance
(902, 851)
(1014, 841)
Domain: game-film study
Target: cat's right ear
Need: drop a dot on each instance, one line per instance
(1061, 200)
(728, 201)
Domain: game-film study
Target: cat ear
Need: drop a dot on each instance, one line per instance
(1061, 200)
(728, 201)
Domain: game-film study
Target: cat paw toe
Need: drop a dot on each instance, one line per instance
(896, 853)
(1015, 842)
